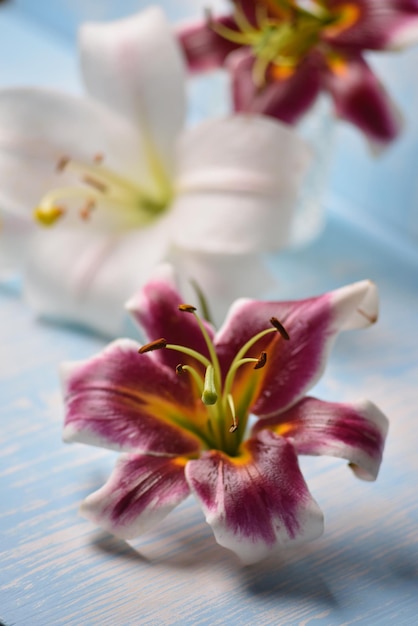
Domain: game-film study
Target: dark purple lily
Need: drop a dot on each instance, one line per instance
(179, 411)
(282, 53)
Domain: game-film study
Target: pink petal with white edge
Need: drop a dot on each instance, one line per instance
(203, 48)
(355, 432)
(127, 401)
(242, 174)
(284, 99)
(155, 309)
(355, 306)
(258, 502)
(294, 366)
(359, 98)
(135, 66)
(380, 24)
(141, 491)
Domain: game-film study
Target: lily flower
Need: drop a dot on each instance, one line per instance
(282, 53)
(179, 409)
(126, 186)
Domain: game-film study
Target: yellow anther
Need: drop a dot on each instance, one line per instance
(48, 216)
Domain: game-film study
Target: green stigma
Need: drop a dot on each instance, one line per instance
(227, 415)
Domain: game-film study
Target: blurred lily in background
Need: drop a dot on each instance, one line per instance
(180, 412)
(282, 53)
(122, 185)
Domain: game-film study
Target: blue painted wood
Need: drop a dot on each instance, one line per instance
(56, 568)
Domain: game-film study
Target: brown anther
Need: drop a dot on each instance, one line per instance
(93, 182)
(279, 326)
(187, 308)
(262, 360)
(180, 369)
(62, 163)
(87, 209)
(233, 428)
(98, 157)
(158, 344)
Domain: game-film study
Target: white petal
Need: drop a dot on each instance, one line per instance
(38, 127)
(14, 234)
(222, 278)
(356, 305)
(134, 65)
(85, 278)
(238, 184)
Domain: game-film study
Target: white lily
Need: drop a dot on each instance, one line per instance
(127, 187)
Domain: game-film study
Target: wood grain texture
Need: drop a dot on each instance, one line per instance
(56, 568)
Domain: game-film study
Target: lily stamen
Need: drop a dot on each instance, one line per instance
(158, 344)
(87, 209)
(213, 386)
(231, 404)
(261, 361)
(279, 326)
(99, 184)
(282, 34)
(188, 308)
(182, 369)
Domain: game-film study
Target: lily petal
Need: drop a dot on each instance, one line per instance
(135, 66)
(243, 173)
(286, 98)
(360, 98)
(294, 366)
(376, 24)
(127, 401)
(38, 127)
(155, 309)
(14, 235)
(141, 491)
(355, 432)
(203, 48)
(258, 501)
(101, 272)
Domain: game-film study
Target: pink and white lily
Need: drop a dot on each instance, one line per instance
(179, 408)
(126, 186)
(282, 53)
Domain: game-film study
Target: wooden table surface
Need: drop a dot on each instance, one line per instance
(57, 568)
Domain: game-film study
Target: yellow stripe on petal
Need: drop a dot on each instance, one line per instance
(338, 65)
(281, 72)
(347, 15)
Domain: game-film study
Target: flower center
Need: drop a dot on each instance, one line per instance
(122, 202)
(283, 33)
(227, 412)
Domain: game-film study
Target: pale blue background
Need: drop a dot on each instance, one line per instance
(56, 568)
